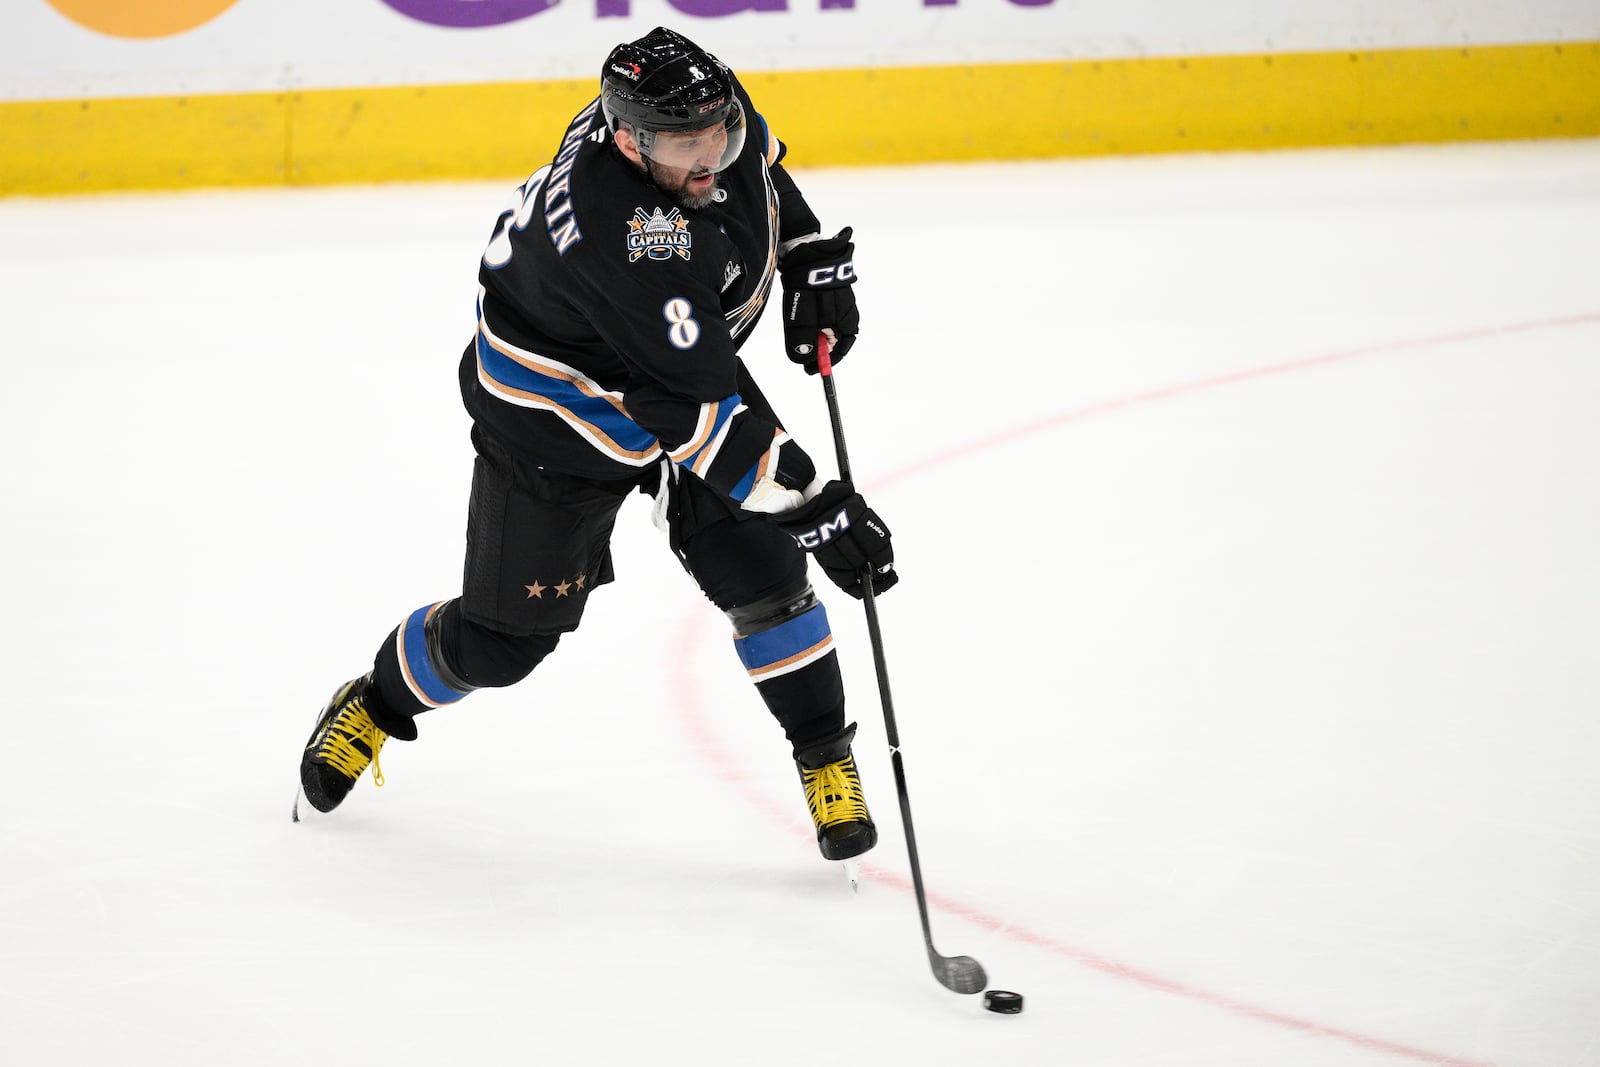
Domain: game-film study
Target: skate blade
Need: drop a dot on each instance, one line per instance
(852, 873)
(303, 810)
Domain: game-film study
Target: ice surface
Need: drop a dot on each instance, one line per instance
(1247, 660)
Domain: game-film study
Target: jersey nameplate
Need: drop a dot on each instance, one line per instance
(558, 194)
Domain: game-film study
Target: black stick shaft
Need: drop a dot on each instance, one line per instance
(962, 974)
(833, 413)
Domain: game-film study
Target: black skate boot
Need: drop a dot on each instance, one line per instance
(833, 793)
(341, 746)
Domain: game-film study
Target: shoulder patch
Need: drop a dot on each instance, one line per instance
(658, 236)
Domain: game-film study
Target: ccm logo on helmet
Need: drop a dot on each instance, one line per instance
(844, 272)
(823, 533)
(718, 102)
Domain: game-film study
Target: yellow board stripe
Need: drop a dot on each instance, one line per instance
(836, 117)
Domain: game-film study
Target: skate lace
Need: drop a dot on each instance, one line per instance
(833, 793)
(351, 725)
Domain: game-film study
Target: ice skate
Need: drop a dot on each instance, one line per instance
(344, 742)
(833, 793)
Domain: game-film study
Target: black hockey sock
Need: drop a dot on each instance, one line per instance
(797, 674)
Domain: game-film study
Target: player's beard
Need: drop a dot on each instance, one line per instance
(679, 190)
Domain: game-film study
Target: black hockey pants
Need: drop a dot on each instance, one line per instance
(538, 543)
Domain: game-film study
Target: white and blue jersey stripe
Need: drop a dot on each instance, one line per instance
(528, 380)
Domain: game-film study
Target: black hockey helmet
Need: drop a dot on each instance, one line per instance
(665, 83)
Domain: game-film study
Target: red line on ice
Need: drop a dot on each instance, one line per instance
(689, 704)
(1201, 385)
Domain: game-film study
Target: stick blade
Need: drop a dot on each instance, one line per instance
(959, 974)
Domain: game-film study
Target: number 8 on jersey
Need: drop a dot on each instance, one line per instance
(684, 331)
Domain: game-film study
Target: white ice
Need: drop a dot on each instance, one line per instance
(1247, 657)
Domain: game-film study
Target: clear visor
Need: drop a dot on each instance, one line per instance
(709, 150)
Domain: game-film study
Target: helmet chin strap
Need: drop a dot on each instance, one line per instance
(650, 169)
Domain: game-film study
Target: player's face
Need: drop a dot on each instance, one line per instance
(684, 164)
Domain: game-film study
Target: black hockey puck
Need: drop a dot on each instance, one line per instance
(1003, 1001)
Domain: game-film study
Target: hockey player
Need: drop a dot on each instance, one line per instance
(613, 298)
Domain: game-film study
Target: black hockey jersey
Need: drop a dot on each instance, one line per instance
(610, 318)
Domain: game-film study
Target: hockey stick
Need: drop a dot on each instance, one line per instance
(960, 974)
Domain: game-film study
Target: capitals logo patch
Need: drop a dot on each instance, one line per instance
(658, 236)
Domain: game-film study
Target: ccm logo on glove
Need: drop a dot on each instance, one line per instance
(823, 534)
(843, 272)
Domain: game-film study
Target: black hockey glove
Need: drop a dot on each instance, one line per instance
(845, 536)
(818, 295)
